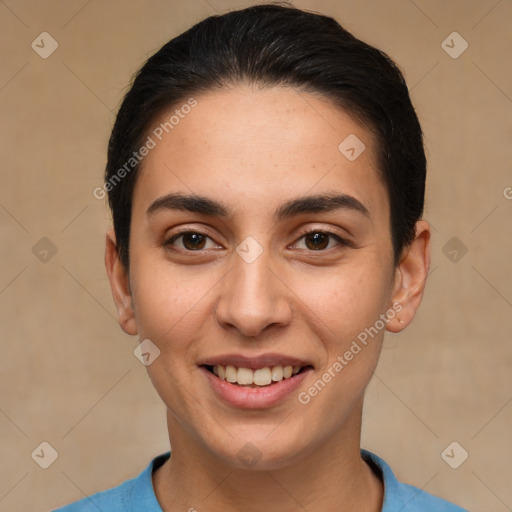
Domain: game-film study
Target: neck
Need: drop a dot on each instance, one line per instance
(331, 478)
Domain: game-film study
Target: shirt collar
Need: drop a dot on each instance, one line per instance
(395, 495)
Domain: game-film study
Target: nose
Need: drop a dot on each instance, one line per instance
(253, 298)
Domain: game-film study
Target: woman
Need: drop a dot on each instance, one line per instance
(266, 176)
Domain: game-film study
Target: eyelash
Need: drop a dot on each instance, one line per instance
(341, 241)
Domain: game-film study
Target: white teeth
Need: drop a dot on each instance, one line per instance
(231, 373)
(260, 377)
(245, 376)
(277, 373)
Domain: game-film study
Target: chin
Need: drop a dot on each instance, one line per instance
(260, 449)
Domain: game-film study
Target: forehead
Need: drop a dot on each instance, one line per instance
(254, 148)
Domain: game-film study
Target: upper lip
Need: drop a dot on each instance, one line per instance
(254, 362)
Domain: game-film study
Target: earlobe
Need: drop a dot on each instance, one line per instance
(410, 277)
(120, 285)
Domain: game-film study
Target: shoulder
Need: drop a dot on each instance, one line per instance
(134, 494)
(116, 499)
(404, 497)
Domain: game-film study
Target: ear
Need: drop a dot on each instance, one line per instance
(120, 285)
(410, 277)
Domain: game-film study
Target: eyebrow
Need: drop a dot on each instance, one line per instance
(308, 204)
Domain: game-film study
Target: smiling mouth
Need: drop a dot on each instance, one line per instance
(261, 377)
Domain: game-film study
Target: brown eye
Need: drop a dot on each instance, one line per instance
(191, 240)
(320, 240)
(316, 241)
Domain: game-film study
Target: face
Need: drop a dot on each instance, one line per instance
(282, 264)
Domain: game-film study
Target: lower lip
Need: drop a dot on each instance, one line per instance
(255, 398)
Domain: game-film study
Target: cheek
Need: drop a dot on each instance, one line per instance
(349, 305)
(169, 302)
(346, 300)
(169, 308)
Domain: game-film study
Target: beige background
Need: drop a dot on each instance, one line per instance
(68, 375)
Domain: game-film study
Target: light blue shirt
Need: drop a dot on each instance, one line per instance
(137, 494)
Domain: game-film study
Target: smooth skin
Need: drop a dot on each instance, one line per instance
(253, 149)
